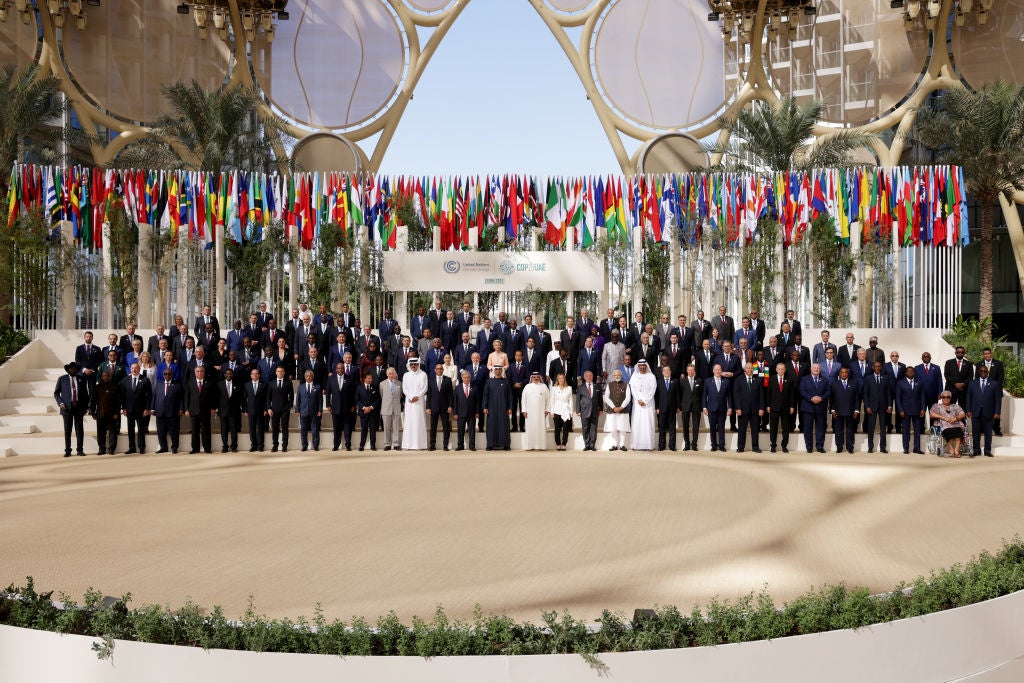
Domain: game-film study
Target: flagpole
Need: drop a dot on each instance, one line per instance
(219, 272)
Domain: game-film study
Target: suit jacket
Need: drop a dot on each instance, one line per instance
(750, 334)
(794, 326)
(571, 342)
(125, 344)
(984, 403)
(367, 397)
(290, 330)
(607, 326)
(200, 325)
(651, 356)
(211, 373)
(773, 356)
(341, 399)
(780, 400)
(437, 316)
(955, 375)
(759, 331)
(336, 355)
(264, 318)
(308, 403)
(514, 341)
(715, 399)
(809, 388)
(805, 353)
(798, 373)
(136, 400)
(390, 403)
(362, 343)
(169, 405)
(691, 399)
(996, 372)
(62, 393)
(398, 361)
(701, 331)
(748, 397)
(663, 331)
(153, 346)
(590, 362)
(319, 369)
(558, 366)
(818, 356)
(726, 329)
(232, 405)
(588, 405)
(234, 340)
(465, 406)
(463, 355)
(847, 358)
(484, 339)
(439, 400)
(449, 334)
(417, 325)
(845, 401)
(88, 359)
(832, 373)
(520, 375)
(479, 378)
(875, 354)
(783, 342)
(326, 317)
(931, 382)
(280, 399)
(894, 376)
(251, 401)
(678, 361)
(196, 401)
(704, 366)
(433, 357)
(535, 363)
(544, 343)
(270, 337)
(666, 399)
(910, 400)
(877, 393)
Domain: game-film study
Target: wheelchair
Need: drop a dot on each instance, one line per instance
(936, 444)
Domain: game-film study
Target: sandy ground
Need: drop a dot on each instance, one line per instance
(517, 533)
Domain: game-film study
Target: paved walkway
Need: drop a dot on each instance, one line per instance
(518, 533)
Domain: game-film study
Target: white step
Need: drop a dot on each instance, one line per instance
(18, 430)
(42, 375)
(28, 406)
(38, 389)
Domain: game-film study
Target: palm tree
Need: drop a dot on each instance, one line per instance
(208, 131)
(776, 138)
(983, 132)
(30, 117)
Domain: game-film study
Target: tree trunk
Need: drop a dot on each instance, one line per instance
(985, 261)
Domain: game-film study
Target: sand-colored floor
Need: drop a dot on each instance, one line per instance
(518, 533)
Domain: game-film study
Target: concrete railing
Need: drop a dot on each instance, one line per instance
(983, 643)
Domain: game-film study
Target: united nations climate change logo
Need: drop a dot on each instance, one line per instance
(507, 267)
(451, 267)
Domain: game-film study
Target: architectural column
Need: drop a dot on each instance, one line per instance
(638, 255)
(293, 275)
(144, 316)
(780, 259)
(68, 296)
(897, 304)
(401, 311)
(220, 277)
(673, 274)
(741, 279)
(362, 244)
(106, 307)
(855, 245)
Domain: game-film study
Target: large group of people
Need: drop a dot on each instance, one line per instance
(456, 370)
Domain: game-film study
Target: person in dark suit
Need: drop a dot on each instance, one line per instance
(666, 404)
(674, 354)
(206, 318)
(368, 408)
(983, 404)
(167, 407)
(847, 355)
(253, 397)
(958, 373)
(911, 407)
(758, 326)
(748, 405)
(467, 410)
(514, 339)
(877, 402)
(686, 341)
(341, 402)
(264, 316)
(705, 360)
(725, 325)
(814, 396)
(136, 397)
(830, 367)
(519, 375)
(386, 327)
(701, 329)
(153, 345)
(200, 401)
(318, 367)
(717, 405)
(462, 353)
(253, 330)
(419, 322)
(746, 332)
(996, 373)
(894, 371)
(572, 342)
(478, 375)
(127, 339)
(691, 396)
(309, 409)
(646, 350)
(930, 376)
(437, 316)
(781, 405)
(544, 341)
(272, 335)
(845, 402)
(797, 370)
(439, 408)
(589, 359)
(72, 396)
(608, 325)
(105, 408)
(588, 409)
(280, 397)
(818, 354)
(794, 324)
(229, 410)
(323, 317)
(88, 358)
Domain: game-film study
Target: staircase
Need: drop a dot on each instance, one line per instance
(31, 424)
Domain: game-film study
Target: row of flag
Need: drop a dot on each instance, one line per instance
(924, 204)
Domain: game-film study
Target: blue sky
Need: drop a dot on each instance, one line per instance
(499, 96)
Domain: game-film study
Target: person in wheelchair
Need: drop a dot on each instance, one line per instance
(949, 417)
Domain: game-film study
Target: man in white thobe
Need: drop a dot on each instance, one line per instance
(414, 386)
(616, 414)
(535, 404)
(642, 386)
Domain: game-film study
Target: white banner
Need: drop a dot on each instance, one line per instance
(551, 271)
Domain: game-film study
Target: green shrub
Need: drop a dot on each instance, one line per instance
(974, 335)
(752, 617)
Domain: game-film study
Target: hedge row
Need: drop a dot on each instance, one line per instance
(754, 617)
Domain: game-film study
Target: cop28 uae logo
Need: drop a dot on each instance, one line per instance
(507, 267)
(451, 267)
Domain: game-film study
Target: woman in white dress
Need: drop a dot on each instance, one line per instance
(475, 328)
(449, 370)
(616, 417)
(535, 410)
(414, 386)
(560, 408)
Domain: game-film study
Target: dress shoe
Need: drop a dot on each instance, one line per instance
(774, 449)
(130, 451)
(849, 450)
(398, 448)
(348, 447)
(919, 451)
(988, 454)
(459, 448)
(360, 448)
(785, 450)
(303, 449)
(273, 449)
(508, 448)
(739, 450)
(614, 448)
(997, 433)
(162, 450)
(623, 448)
(906, 451)
(387, 448)
(193, 452)
(316, 448)
(472, 448)
(431, 448)
(871, 449)
(694, 447)
(334, 449)
(102, 451)
(174, 451)
(884, 450)
(757, 450)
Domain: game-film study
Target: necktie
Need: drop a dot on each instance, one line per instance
(718, 385)
(815, 381)
(135, 384)
(959, 364)
(465, 387)
(392, 386)
(878, 379)
(983, 385)
(280, 384)
(590, 389)
(750, 384)
(341, 381)
(200, 385)
(844, 385)
(708, 354)
(309, 388)
(673, 349)
(167, 387)
(519, 366)
(780, 383)
(666, 385)
(346, 368)
(74, 392)
(911, 385)
(88, 349)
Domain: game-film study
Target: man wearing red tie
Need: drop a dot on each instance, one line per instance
(200, 405)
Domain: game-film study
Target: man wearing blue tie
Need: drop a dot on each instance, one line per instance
(911, 406)
(814, 395)
(717, 405)
(983, 399)
(309, 408)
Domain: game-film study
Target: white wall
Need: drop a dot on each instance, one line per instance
(983, 642)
